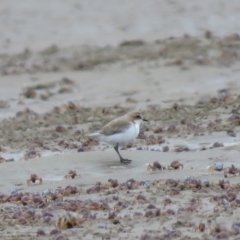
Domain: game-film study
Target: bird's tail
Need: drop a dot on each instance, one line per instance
(95, 136)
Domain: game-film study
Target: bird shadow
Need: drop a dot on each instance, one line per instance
(115, 165)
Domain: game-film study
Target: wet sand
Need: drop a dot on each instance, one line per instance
(72, 77)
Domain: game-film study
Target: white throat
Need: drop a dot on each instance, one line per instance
(137, 122)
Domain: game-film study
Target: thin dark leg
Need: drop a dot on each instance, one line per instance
(122, 160)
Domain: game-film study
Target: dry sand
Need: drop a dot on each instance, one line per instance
(67, 68)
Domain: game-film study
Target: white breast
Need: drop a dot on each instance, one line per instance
(123, 138)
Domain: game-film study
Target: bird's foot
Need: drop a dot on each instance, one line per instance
(125, 161)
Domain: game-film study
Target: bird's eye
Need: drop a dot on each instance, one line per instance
(139, 117)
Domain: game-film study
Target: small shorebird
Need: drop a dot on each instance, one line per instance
(120, 131)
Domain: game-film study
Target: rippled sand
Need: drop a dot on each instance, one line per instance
(177, 62)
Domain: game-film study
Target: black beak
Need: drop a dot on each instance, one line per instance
(145, 120)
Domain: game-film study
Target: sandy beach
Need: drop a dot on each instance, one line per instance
(69, 67)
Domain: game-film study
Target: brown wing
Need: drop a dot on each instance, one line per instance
(115, 126)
